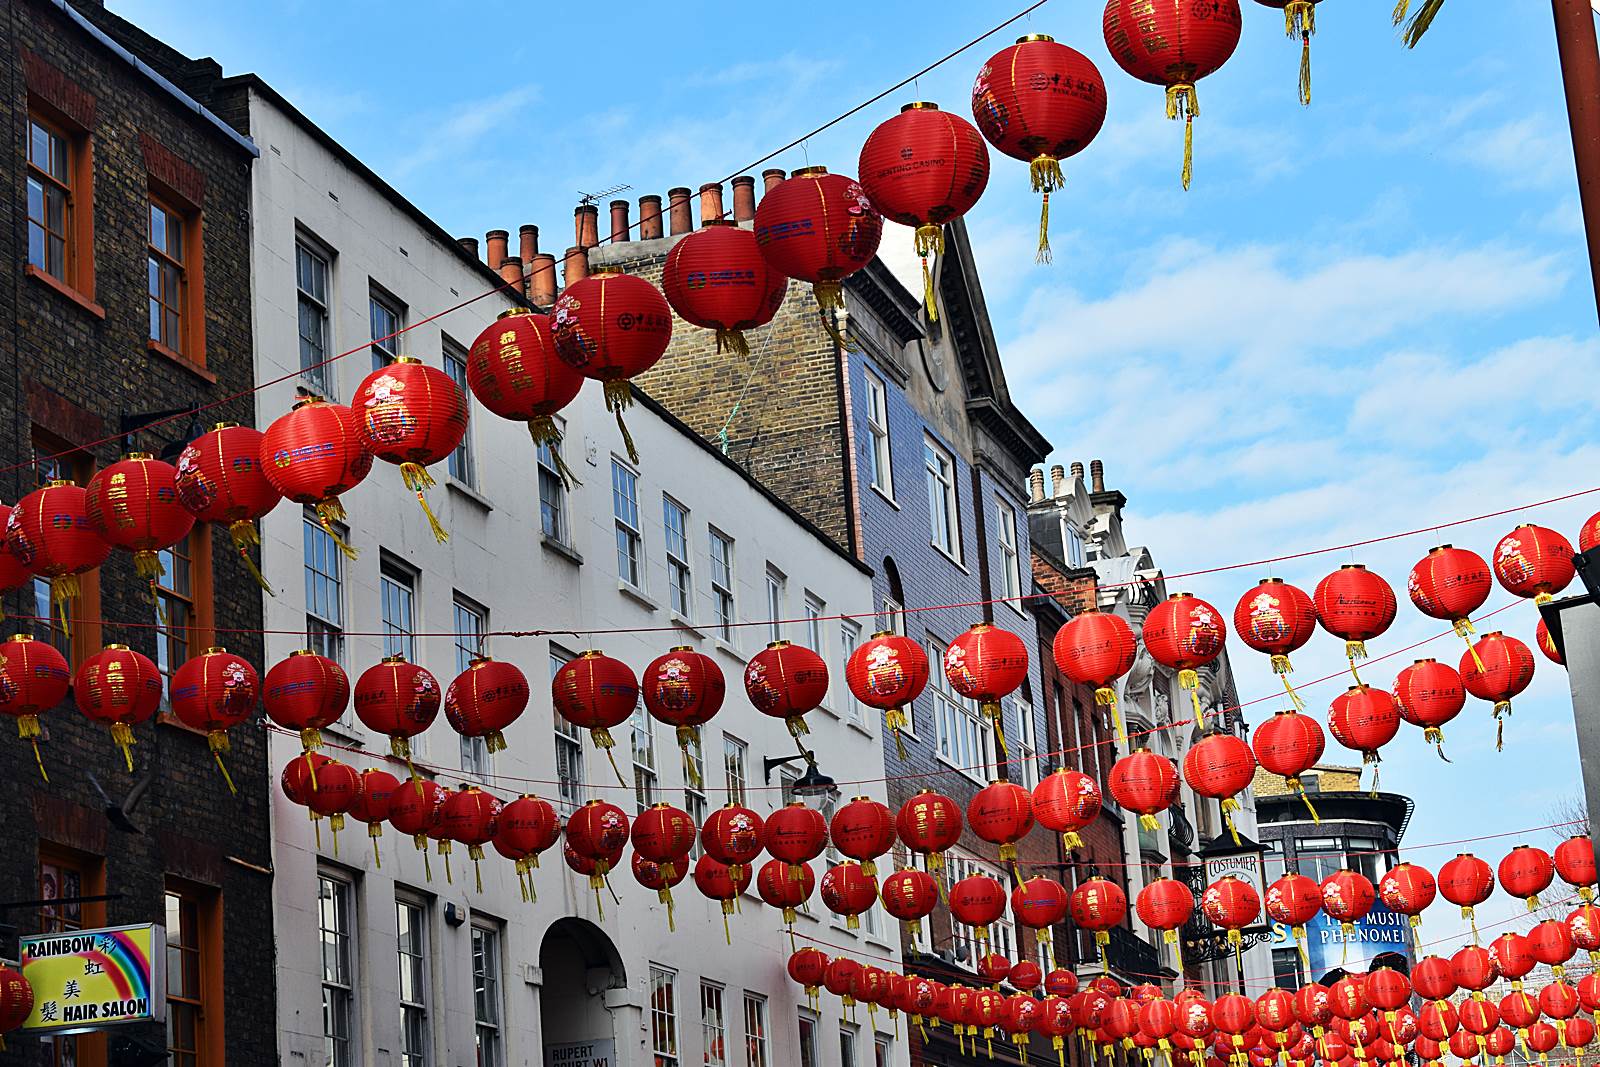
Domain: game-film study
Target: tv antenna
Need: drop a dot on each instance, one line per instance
(594, 198)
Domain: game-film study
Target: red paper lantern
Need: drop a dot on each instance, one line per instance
(527, 826)
(399, 700)
(923, 168)
(1232, 904)
(848, 890)
(1039, 904)
(1276, 618)
(1065, 802)
(820, 228)
(839, 978)
(1096, 648)
(13, 575)
(1507, 669)
(684, 689)
(987, 664)
(49, 533)
(1040, 101)
(1552, 944)
(485, 699)
(1433, 977)
(415, 809)
(334, 789)
(784, 887)
(1547, 644)
(596, 692)
(1354, 605)
(1589, 991)
(1220, 766)
(1347, 999)
(863, 830)
(1474, 968)
(796, 835)
(1526, 872)
(304, 693)
(1408, 889)
(663, 833)
(978, 901)
(661, 877)
(1023, 1013)
(413, 415)
(1061, 983)
(373, 803)
(1173, 45)
(1347, 896)
(34, 678)
(597, 832)
(716, 278)
(1559, 1000)
(1364, 719)
(1574, 861)
(220, 479)
(1429, 694)
(1311, 1005)
(133, 505)
(808, 967)
(213, 693)
(313, 454)
(1293, 900)
(910, 895)
(929, 823)
(1026, 975)
(513, 370)
(785, 681)
(1289, 744)
(1451, 583)
(1583, 923)
(1534, 561)
(119, 687)
(1098, 905)
(715, 881)
(16, 1001)
(1144, 783)
(612, 327)
(732, 835)
(888, 672)
(1466, 882)
(1275, 1011)
(1184, 633)
(1513, 955)
(1165, 904)
(1002, 814)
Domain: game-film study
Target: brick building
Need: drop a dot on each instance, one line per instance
(128, 290)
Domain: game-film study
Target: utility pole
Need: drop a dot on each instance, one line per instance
(1580, 74)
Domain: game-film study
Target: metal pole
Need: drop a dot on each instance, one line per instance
(1578, 619)
(1580, 75)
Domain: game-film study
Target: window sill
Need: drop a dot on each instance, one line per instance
(466, 491)
(633, 592)
(684, 624)
(562, 549)
(858, 728)
(168, 718)
(965, 772)
(731, 650)
(951, 557)
(1016, 605)
(315, 388)
(50, 281)
(185, 362)
(887, 497)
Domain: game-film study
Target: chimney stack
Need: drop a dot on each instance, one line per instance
(744, 198)
(542, 280)
(1036, 485)
(619, 221)
(576, 267)
(1097, 472)
(770, 178)
(1077, 470)
(650, 217)
(511, 271)
(586, 225)
(1058, 475)
(528, 243)
(470, 244)
(710, 203)
(679, 219)
(497, 241)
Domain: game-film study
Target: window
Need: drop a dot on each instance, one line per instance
(816, 640)
(1026, 757)
(50, 204)
(713, 1025)
(878, 466)
(1286, 969)
(387, 317)
(397, 586)
(1002, 932)
(675, 520)
(882, 1050)
(192, 958)
(942, 500)
(324, 588)
(1010, 557)
(722, 582)
(694, 796)
(411, 947)
(847, 1046)
(63, 876)
(755, 1031)
(808, 1040)
(311, 294)
(644, 757)
(552, 492)
(569, 749)
(336, 923)
(1073, 539)
(845, 700)
(775, 600)
(174, 615)
(54, 460)
(472, 619)
(733, 766)
(961, 732)
(486, 995)
(168, 276)
(664, 1016)
(894, 616)
(461, 467)
(625, 508)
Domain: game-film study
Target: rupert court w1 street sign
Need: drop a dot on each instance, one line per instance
(93, 979)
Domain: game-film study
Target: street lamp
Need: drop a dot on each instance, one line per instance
(813, 783)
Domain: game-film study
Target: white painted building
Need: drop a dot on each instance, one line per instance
(381, 965)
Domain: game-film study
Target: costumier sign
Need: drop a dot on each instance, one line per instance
(601, 1052)
(1245, 866)
(94, 979)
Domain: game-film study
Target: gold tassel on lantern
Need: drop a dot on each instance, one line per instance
(733, 341)
(1190, 680)
(1419, 22)
(122, 737)
(1282, 668)
(1046, 174)
(445, 850)
(544, 431)
(28, 729)
(1183, 103)
(421, 843)
(895, 720)
(619, 397)
(217, 740)
(63, 588)
(1300, 20)
(375, 831)
(1071, 841)
(992, 712)
(1464, 630)
(330, 511)
(417, 479)
(245, 536)
(1229, 806)
(1106, 697)
(1354, 650)
(830, 299)
(688, 741)
(475, 854)
(1299, 787)
(930, 241)
(1435, 736)
(602, 740)
(1502, 709)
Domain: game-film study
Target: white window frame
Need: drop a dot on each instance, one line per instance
(397, 595)
(722, 602)
(418, 1007)
(713, 1024)
(777, 596)
(645, 777)
(757, 1042)
(664, 1039)
(1002, 932)
(567, 749)
(814, 608)
(735, 768)
(630, 537)
(849, 1043)
(1072, 539)
(882, 1050)
(879, 450)
(1026, 745)
(961, 732)
(462, 464)
(339, 997)
(324, 635)
(379, 301)
(316, 373)
(552, 493)
(844, 700)
(680, 576)
(471, 626)
(488, 1007)
(806, 1034)
(944, 502)
(1010, 554)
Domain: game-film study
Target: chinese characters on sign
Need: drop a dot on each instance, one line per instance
(91, 979)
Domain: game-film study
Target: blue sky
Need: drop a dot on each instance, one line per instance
(1368, 315)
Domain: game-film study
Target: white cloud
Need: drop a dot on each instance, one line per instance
(447, 137)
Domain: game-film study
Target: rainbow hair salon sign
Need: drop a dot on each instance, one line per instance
(92, 979)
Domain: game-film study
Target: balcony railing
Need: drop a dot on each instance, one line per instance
(1132, 955)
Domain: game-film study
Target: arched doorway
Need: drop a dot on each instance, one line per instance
(579, 964)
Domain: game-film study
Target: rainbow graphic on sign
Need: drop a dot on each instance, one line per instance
(92, 979)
